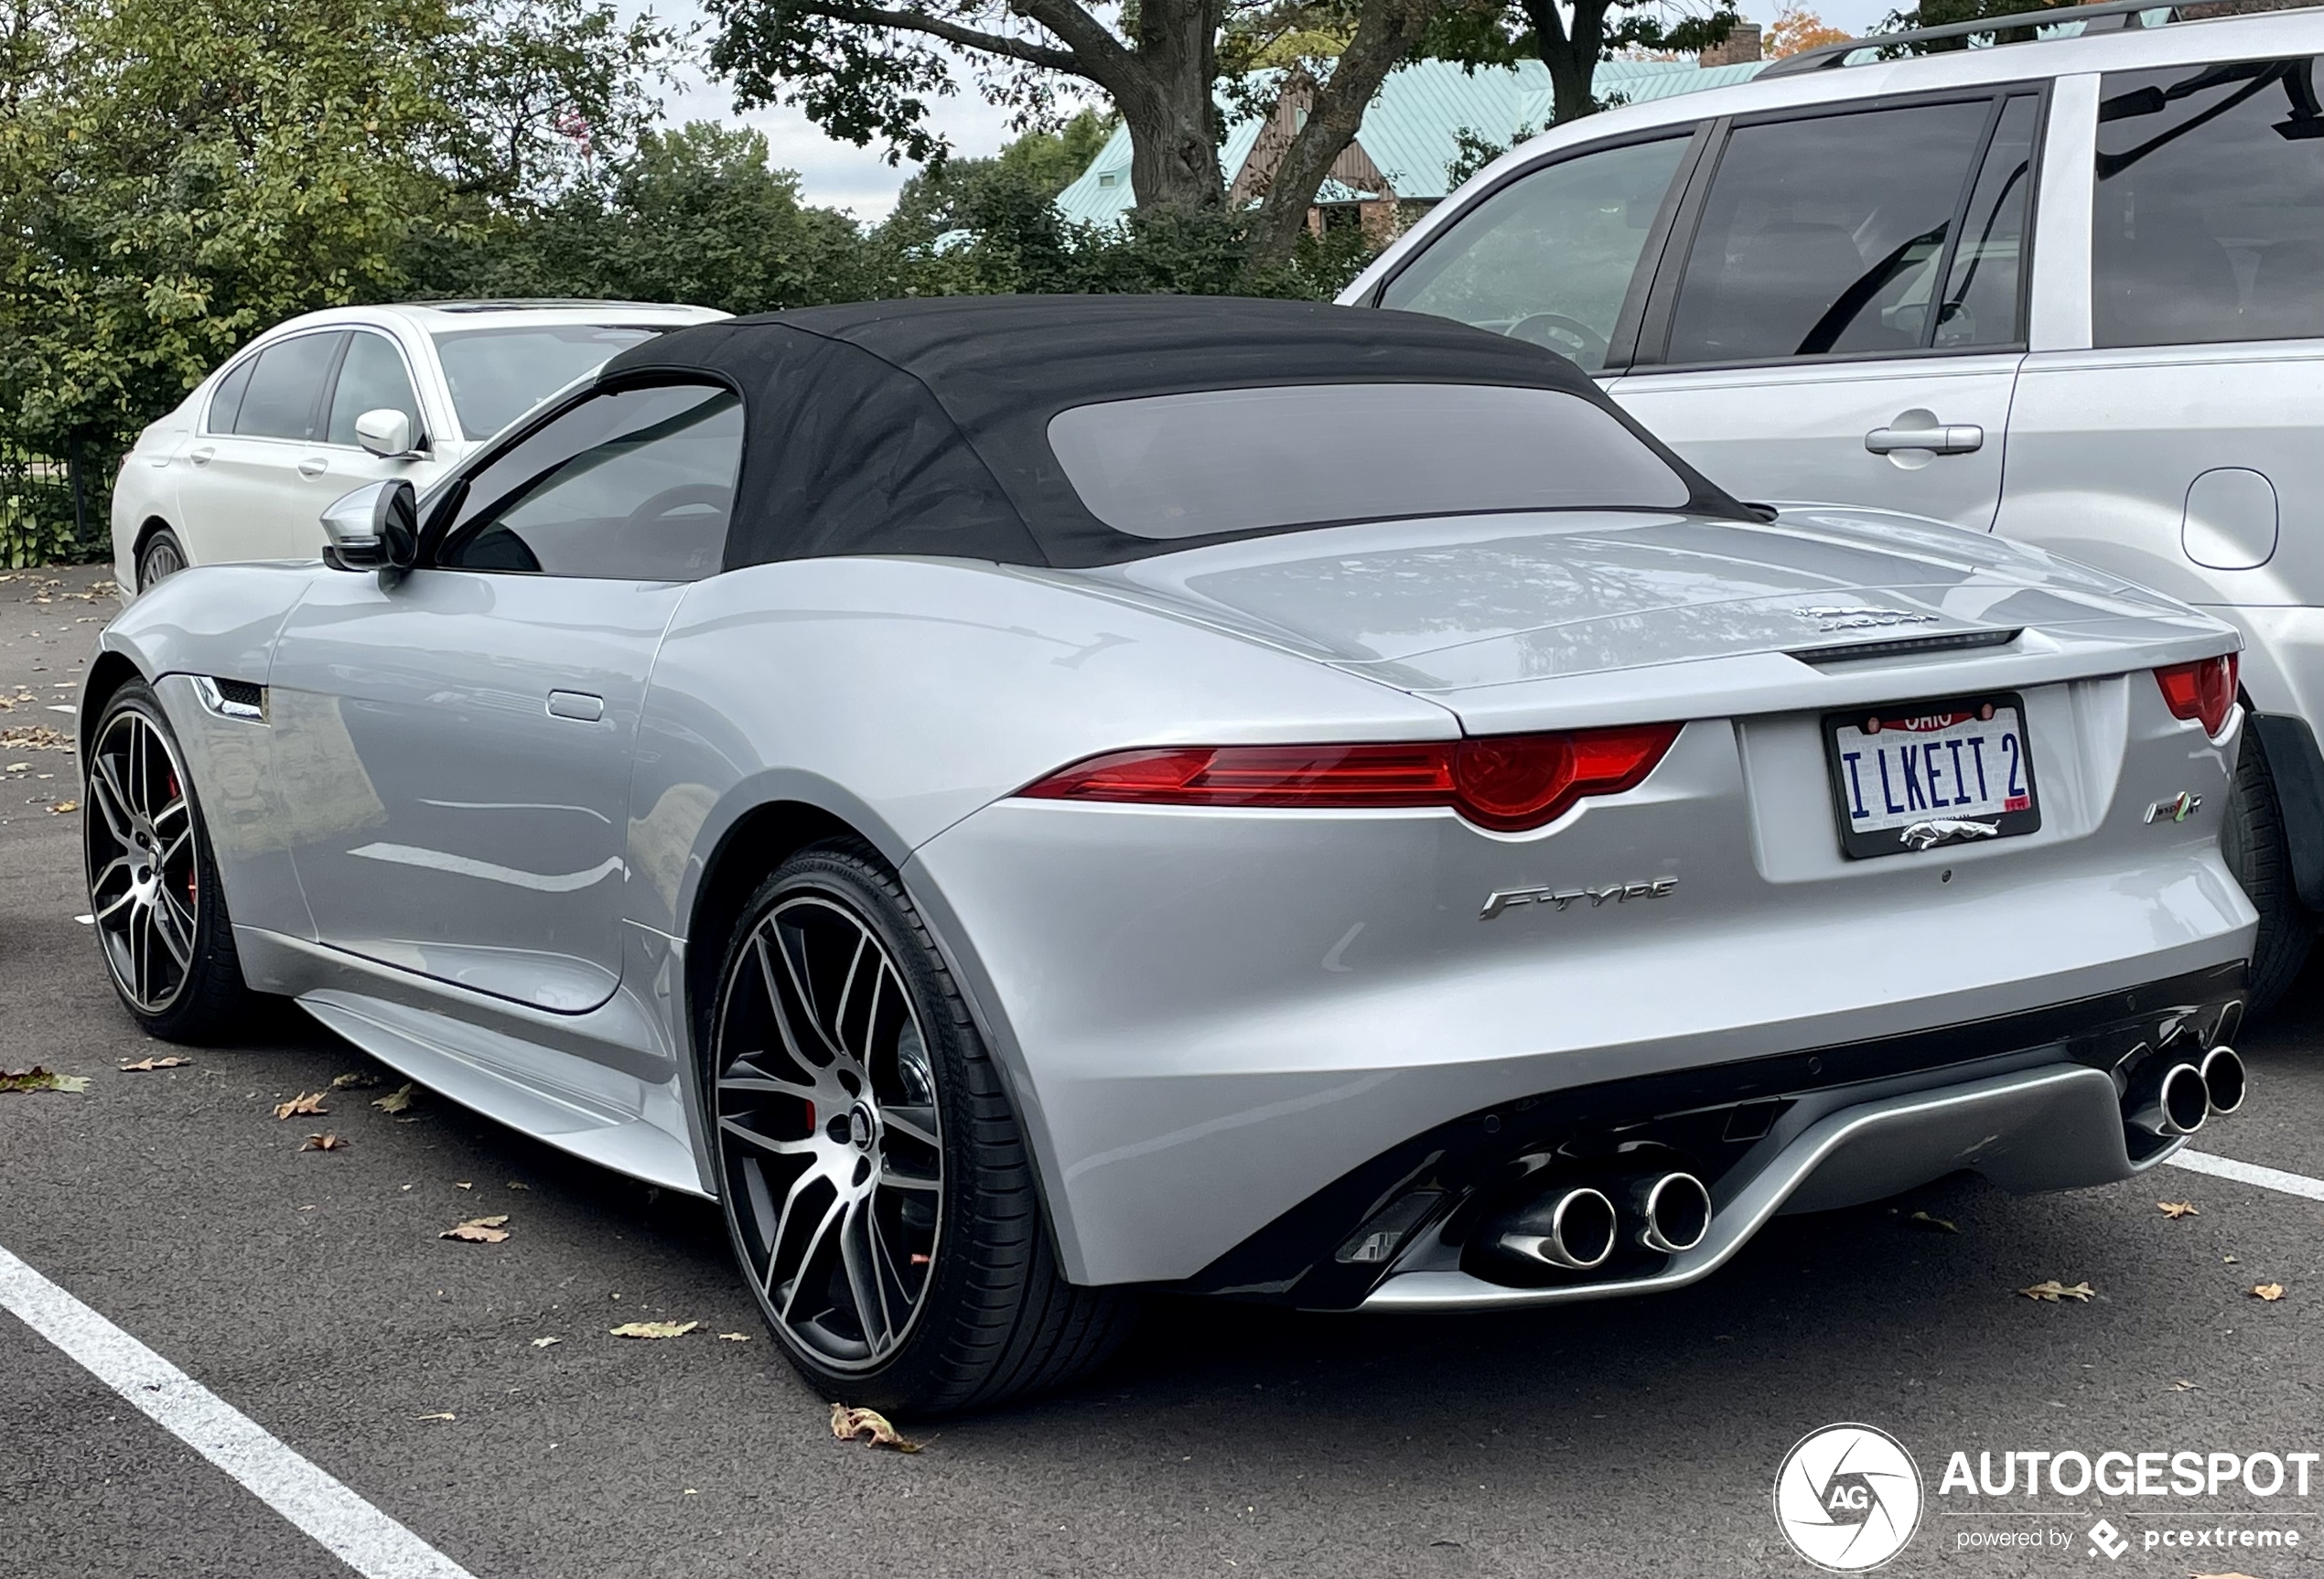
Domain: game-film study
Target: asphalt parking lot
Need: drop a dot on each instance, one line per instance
(472, 1391)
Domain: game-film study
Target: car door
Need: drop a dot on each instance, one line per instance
(371, 373)
(1839, 316)
(2170, 426)
(242, 493)
(456, 741)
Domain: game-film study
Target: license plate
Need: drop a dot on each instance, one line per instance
(1931, 774)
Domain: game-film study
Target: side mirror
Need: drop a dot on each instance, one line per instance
(386, 433)
(377, 527)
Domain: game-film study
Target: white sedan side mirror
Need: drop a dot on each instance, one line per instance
(386, 433)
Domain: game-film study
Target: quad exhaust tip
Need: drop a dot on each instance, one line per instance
(2224, 1081)
(1573, 1228)
(1675, 1211)
(2174, 1103)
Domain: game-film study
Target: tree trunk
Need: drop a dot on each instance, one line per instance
(1167, 106)
(1572, 58)
(1385, 34)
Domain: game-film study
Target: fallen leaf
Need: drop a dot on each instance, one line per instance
(2270, 1292)
(62, 806)
(2175, 1209)
(869, 1427)
(144, 1064)
(479, 1229)
(2184, 1386)
(2194, 1575)
(396, 1100)
(2229, 1260)
(654, 1328)
(354, 1080)
(1921, 1219)
(513, 1184)
(301, 1105)
(735, 1337)
(446, 1414)
(546, 1342)
(2053, 1291)
(328, 1142)
(462, 1184)
(36, 1078)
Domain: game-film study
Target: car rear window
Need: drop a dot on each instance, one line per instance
(1251, 459)
(498, 375)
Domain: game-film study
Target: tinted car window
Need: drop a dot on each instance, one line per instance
(2209, 214)
(1548, 257)
(498, 375)
(637, 485)
(286, 392)
(226, 399)
(1823, 235)
(1242, 460)
(371, 378)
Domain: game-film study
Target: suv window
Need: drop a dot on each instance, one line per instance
(2209, 223)
(1548, 257)
(635, 485)
(372, 377)
(286, 392)
(1824, 236)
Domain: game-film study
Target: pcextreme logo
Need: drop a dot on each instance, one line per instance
(1848, 1498)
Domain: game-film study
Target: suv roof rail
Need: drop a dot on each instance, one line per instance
(2132, 13)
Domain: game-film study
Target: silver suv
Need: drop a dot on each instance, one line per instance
(2068, 289)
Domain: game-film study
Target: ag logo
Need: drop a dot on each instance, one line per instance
(1848, 1498)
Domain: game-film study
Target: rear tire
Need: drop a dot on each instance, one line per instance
(2252, 842)
(158, 909)
(162, 557)
(876, 1186)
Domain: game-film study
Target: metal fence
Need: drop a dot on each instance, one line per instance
(52, 510)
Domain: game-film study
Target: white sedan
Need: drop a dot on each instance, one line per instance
(245, 466)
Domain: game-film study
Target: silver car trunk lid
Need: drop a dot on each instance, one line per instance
(1460, 605)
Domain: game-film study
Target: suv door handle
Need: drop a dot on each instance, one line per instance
(316, 465)
(1952, 438)
(576, 704)
(201, 456)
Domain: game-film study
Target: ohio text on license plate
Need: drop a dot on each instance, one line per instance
(1931, 773)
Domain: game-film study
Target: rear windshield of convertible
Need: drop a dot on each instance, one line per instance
(1253, 459)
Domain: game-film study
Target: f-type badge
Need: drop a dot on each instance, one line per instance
(2177, 809)
(1565, 899)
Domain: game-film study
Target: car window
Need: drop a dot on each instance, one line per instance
(226, 400)
(1549, 256)
(1297, 455)
(285, 391)
(371, 378)
(498, 375)
(1823, 235)
(1981, 300)
(636, 485)
(2208, 222)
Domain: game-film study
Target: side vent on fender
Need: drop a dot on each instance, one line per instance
(238, 699)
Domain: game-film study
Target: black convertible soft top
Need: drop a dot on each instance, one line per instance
(923, 426)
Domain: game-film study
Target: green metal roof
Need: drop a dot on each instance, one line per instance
(1410, 129)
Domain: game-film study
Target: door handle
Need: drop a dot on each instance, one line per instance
(316, 465)
(1949, 438)
(576, 704)
(201, 456)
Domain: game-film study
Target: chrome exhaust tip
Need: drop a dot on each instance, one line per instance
(1675, 1212)
(1573, 1228)
(2174, 1103)
(2224, 1079)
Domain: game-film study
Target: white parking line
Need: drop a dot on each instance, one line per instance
(358, 1534)
(2247, 1173)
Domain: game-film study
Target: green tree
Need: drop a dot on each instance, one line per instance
(1571, 40)
(866, 71)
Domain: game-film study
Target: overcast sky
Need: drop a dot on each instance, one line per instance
(841, 175)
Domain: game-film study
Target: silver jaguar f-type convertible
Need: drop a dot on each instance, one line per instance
(1029, 800)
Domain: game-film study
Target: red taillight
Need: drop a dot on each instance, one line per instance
(2203, 690)
(1502, 782)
